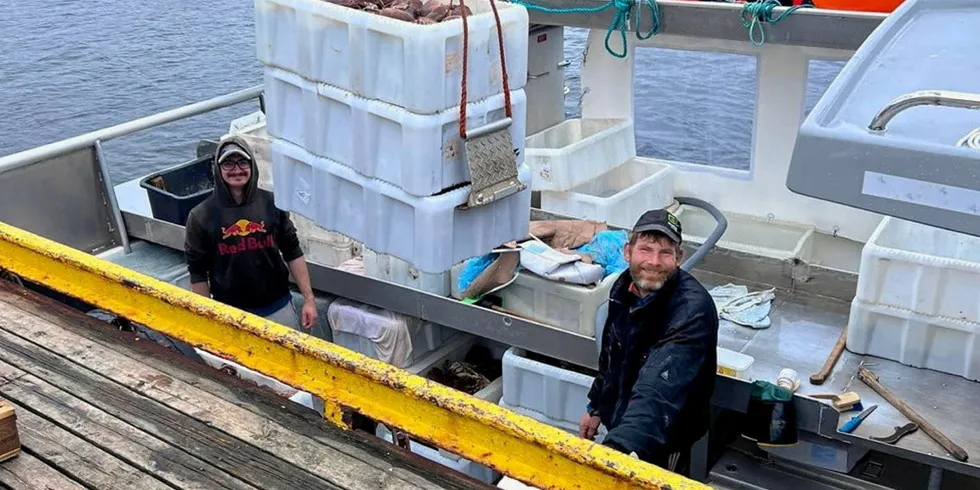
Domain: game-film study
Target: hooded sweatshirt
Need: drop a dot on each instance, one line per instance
(241, 250)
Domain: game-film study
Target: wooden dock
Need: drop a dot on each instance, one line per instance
(97, 408)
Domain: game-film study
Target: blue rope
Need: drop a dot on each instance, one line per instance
(754, 14)
(619, 22)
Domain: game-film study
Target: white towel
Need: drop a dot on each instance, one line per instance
(737, 305)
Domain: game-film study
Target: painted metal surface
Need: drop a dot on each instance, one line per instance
(62, 198)
(522, 448)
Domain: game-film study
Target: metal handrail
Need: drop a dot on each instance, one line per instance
(58, 148)
(945, 98)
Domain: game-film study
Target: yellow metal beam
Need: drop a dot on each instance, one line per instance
(522, 448)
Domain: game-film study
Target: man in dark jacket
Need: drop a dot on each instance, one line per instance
(238, 244)
(658, 360)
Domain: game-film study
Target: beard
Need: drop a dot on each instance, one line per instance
(650, 279)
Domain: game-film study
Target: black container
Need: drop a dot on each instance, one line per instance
(186, 185)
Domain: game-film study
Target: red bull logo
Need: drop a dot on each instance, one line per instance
(242, 228)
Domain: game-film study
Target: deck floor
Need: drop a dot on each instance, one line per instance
(98, 409)
(804, 330)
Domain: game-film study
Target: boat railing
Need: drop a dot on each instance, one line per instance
(82, 211)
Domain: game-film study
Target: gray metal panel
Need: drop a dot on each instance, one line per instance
(545, 78)
(61, 198)
(913, 168)
(716, 20)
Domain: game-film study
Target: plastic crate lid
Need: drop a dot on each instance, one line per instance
(913, 169)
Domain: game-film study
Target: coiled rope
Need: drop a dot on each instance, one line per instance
(971, 140)
(620, 19)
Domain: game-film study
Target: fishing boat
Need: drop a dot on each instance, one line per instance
(846, 262)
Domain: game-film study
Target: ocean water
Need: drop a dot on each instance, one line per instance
(70, 67)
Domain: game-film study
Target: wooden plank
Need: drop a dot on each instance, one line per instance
(137, 448)
(265, 403)
(249, 463)
(25, 472)
(79, 459)
(257, 437)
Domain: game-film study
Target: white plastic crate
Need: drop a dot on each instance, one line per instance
(422, 154)
(748, 234)
(923, 269)
(425, 336)
(428, 232)
(554, 392)
(932, 342)
(618, 196)
(395, 270)
(321, 246)
(566, 425)
(578, 150)
(565, 306)
(418, 67)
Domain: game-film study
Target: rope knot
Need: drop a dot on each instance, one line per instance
(623, 6)
(758, 12)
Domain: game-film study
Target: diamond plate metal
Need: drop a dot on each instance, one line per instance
(493, 168)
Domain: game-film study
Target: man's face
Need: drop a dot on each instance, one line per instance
(652, 260)
(235, 170)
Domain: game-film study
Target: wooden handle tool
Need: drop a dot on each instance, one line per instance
(871, 379)
(828, 366)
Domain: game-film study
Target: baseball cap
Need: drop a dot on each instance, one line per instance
(233, 149)
(659, 220)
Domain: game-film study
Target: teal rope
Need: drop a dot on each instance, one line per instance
(754, 14)
(619, 22)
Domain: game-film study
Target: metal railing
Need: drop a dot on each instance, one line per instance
(75, 215)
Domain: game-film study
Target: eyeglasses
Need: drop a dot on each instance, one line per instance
(230, 164)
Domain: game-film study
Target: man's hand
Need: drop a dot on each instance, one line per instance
(309, 314)
(588, 426)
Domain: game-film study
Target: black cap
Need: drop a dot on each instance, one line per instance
(659, 220)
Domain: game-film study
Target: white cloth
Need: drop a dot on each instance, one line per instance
(552, 264)
(390, 333)
(736, 304)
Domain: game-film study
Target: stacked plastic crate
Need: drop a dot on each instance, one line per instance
(587, 168)
(364, 114)
(918, 298)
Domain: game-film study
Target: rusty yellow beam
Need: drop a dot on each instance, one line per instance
(522, 448)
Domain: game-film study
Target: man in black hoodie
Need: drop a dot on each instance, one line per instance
(238, 244)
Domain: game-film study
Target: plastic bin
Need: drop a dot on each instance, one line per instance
(431, 233)
(395, 270)
(554, 392)
(618, 196)
(923, 269)
(569, 307)
(734, 364)
(774, 239)
(186, 185)
(422, 154)
(940, 343)
(578, 150)
(409, 65)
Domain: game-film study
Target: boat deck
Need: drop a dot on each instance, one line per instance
(804, 330)
(97, 409)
